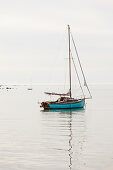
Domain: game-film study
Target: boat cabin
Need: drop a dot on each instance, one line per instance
(65, 99)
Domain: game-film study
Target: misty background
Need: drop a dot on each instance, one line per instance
(34, 40)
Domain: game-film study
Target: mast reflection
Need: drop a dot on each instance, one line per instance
(76, 126)
(70, 140)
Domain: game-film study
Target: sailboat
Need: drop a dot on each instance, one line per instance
(66, 101)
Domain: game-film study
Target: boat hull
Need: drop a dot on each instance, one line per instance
(66, 105)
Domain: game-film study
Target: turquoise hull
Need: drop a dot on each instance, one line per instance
(67, 106)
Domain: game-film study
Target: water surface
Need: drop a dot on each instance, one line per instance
(33, 139)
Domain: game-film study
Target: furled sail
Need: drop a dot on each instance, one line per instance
(59, 94)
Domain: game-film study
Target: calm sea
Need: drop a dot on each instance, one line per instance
(32, 139)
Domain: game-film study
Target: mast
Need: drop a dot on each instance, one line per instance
(69, 62)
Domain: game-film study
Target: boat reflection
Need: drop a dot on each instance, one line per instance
(67, 111)
(75, 124)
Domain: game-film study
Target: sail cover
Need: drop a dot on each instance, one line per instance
(59, 94)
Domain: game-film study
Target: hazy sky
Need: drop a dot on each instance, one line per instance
(33, 39)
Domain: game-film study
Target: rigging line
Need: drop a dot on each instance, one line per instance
(77, 75)
(65, 77)
(85, 83)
